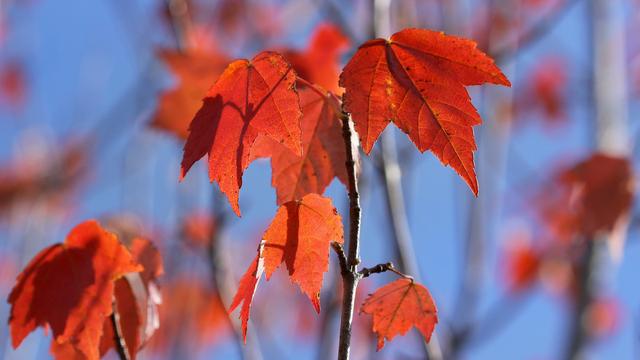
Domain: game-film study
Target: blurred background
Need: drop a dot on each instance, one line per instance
(96, 97)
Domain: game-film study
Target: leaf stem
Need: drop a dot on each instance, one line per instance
(380, 268)
(118, 339)
(350, 277)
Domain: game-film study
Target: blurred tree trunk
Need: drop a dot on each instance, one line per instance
(609, 91)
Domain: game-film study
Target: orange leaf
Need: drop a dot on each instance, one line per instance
(246, 290)
(601, 191)
(417, 80)
(521, 265)
(195, 71)
(320, 62)
(299, 236)
(130, 321)
(250, 99)
(323, 152)
(137, 300)
(69, 287)
(398, 306)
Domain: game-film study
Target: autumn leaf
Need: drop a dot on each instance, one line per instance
(323, 152)
(69, 287)
(197, 229)
(602, 191)
(522, 264)
(603, 317)
(398, 306)
(587, 198)
(417, 80)
(195, 71)
(130, 319)
(250, 99)
(319, 63)
(50, 179)
(12, 84)
(299, 236)
(137, 299)
(546, 92)
(246, 290)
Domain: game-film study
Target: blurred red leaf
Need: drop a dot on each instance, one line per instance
(521, 264)
(250, 99)
(589, 197)
(49, 181)
(12, 84)
(197, 229)
(417, 80)
(398, 306)
(603, 317)
(546, 92)
(195, 71)
(323, 152)
(319, 63)
(191, 313)
(69, 287)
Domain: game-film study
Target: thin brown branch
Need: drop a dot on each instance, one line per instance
(578, 332)
(118, 339)
(380, 268)
(350, 278)
(342, 257)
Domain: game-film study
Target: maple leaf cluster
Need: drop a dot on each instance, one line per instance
(285, 107)
(75, 288)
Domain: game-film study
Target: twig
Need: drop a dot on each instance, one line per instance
(118, 339)
(579, 334)
(350, 277)
(342, 257)
(495, 318)
(380, 268)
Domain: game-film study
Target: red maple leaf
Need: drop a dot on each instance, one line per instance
(246, 290)
(137, 299)
(323, 152)
(299, 236)
(398, 306)
(417, 80)
(250, 99)
(69, 287)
